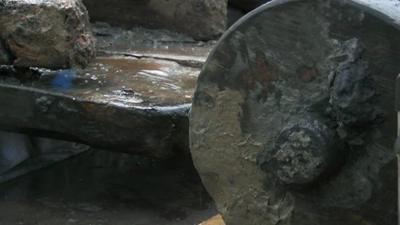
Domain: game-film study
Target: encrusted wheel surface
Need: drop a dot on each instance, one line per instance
(293, 119)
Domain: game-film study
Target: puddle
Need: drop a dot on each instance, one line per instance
(142, 68)
(125, 81)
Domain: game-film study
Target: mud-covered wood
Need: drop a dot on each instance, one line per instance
(293, 120)
(118, 103)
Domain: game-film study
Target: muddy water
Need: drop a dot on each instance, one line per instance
(126, 81)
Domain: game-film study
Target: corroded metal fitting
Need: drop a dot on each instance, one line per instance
(303, 151)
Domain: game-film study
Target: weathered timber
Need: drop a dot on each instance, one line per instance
(119, 103)
(293, 119)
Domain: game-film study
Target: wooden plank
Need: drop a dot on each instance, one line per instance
(124, 104)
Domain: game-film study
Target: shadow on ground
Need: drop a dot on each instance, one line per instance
(104, 188)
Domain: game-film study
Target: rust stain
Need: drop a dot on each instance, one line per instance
(307, 74)
(264, 74)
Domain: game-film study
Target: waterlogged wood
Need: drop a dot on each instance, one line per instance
(119, 103)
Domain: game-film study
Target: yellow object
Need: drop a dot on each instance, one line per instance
(216, 220)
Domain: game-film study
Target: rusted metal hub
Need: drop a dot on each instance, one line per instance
(304, 150)
(293, 121)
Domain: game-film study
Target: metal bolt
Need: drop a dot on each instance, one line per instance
(303, 151)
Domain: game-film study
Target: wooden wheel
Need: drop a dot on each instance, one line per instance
(293, 119)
